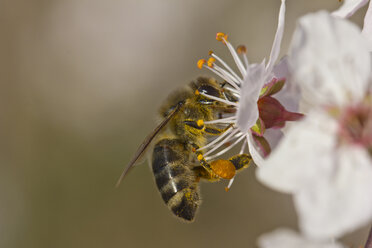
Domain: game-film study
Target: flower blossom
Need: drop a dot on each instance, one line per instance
(349, 8)
(256, 108)
(325, 160)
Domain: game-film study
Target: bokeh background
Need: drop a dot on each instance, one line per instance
(80, 83)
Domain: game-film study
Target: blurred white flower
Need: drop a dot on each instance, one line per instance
(257, 110)
(325, 159)
(349, 7)
(285, 238)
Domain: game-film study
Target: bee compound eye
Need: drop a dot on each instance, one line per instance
(209, 90)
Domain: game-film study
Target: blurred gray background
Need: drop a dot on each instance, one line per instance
(80, 83)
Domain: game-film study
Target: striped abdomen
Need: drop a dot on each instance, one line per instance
(175, 178)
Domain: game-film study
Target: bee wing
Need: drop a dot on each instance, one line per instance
(146, 143)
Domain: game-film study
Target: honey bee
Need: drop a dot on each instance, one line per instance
(177, 161)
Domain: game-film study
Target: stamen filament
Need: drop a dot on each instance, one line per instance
(230, 183)
(226, 149)
(235, 81)
(233, 90)
(245, 59)
(223, 120)
(219, 99)
(216, 140)
(221, 143)
(236, 58)
(219, 74)
(243, 147)
(226, 66)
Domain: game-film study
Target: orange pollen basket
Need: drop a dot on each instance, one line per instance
(223, 168)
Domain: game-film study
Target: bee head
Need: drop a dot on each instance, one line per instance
(207, 90)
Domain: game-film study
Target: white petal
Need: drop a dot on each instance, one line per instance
(285, 238)
(247, 110)
(367, 27)
(254, 151)
(349, 8)
(278, 38)
(330, 60)
(341, 204)
(273, 136)
(303, 157)
(281, 69)
(290, 95)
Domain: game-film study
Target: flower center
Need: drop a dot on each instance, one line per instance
(355, 125)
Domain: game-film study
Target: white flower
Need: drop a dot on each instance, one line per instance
(325, 160)
(285, 238)
(349, 8)
(253, 88)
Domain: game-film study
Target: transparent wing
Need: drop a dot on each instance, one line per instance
(147, 142)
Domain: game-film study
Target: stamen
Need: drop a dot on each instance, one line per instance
(216, 140)
(211, 61)
(219, 99)
(221, 143)
(236, 93)
(227, 67)
(243, 147)
(241, 49)
(221, 37)
(224, 120)
(229, 185)
(224, 150)
(200, 123)
(201, 62)
(219, 74)
(245, 60)
(226, 74)
(236, 58)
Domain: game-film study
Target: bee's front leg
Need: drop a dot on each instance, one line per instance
(208, 129)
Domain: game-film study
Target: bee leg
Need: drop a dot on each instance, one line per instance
(201, 159)
(216, 131)
(199, 124)
(241, 161)
(220, 168)
(201, 172)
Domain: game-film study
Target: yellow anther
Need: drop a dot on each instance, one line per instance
(200, 123)
(210, 61)
(227, 189)
(197, 92)
(221, 37)
(241, 49)
(210, 52)
(200, 157)
(201, 62)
